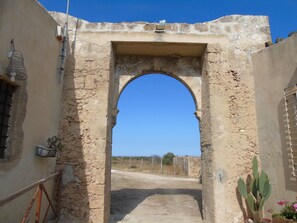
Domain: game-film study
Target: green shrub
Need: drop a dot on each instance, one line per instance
(168, 158)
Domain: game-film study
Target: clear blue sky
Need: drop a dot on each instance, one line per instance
(156, 116)
(156, 111)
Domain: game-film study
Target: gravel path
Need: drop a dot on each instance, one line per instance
(147, 198)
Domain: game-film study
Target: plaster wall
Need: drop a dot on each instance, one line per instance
(224, 98)
(275, 68)
(36, 102)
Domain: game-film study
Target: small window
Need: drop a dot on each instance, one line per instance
(7, 90)
(291, 117)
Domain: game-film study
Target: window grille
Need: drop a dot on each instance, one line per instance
(291, 117)
(6, 94)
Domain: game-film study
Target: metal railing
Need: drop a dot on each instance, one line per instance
(38, 195)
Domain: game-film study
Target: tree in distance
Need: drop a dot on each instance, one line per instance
(168, 158)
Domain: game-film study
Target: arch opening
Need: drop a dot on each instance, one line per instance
(155, 119)
(181, 81)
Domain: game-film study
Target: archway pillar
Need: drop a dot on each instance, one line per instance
(85, 129)
(228, 132)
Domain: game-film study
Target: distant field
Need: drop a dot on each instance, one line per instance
(150, 165)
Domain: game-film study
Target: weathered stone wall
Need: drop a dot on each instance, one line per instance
(96, 75)
(194, 167)
(275, 68)
(238, 30)
(36, 103)
(83, 128)
(185, 69)
(232, 142)
(228, 128)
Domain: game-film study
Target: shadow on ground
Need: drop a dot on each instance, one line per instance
(124, 201)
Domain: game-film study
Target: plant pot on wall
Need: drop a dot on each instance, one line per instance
(45, 152)
(278, 219)
(54, 144)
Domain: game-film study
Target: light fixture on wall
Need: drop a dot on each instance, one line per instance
(64, 34)
(59, 33)
(16, 67)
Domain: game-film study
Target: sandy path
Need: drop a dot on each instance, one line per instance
(146, 198)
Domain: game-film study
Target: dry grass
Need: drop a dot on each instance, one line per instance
(147, 165)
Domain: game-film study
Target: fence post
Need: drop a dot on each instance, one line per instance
(174, 161)
(184, 165)
(161, 166)
(152, 164)
(141, 164)
(188, 166)
(38, 207)
(129, 163)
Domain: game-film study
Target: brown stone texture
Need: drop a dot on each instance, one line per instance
(194, 167)
(83, 131)
(233, 141)
(185, 69)
(219, 79)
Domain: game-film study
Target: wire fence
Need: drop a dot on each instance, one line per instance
(182, 166)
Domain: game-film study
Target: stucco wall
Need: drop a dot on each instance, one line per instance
(275, 68)
(38, 104)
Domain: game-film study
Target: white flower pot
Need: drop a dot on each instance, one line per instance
(45, 152)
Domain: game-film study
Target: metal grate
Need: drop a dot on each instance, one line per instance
(6, 94)
(291, 117)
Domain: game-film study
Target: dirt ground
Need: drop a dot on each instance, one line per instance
(146, 198)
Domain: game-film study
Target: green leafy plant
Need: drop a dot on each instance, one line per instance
(168, 158)
(255, 191)
(54, 142)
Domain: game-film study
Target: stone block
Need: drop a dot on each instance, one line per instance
(89, 82)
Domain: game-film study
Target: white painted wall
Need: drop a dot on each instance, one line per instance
(275, 68)
(33, 31)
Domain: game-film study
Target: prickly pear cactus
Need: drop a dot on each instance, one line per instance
(255, 192)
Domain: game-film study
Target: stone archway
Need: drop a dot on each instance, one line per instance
(187, 70)
(211, 59)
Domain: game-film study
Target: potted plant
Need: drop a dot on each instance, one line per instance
(53, 146)
(287, 214)
(255, 191)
